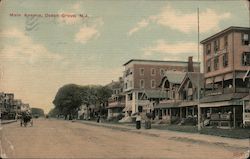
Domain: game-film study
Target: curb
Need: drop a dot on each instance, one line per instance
(7, 122)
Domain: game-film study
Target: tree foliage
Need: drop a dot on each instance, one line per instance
(54, 112)
(37, 111)
(70, 97)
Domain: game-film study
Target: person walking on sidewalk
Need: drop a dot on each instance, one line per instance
(138, 121)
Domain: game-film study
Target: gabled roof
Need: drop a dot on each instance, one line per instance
(175, 76)
(193, 77)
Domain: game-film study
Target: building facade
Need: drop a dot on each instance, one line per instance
(116, 102)
(145, 75)
(226, 57)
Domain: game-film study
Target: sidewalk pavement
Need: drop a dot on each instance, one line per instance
(7, 121)
(241, 144)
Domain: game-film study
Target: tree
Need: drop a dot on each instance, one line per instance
(37, 111)
(54, 112)
(103, 94)
(68, 99)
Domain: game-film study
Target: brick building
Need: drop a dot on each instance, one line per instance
(144, 76)
(226, 57)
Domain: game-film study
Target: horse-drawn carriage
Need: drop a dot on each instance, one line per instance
(26, 119)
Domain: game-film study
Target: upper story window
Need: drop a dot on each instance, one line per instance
(208, 48)
(141, 71)
(245, 39)
(142, 83)
(162, 72)
(225, 60)
(216, 63)
(225, 41)
(126, 85)
(128, 72)
(208, 65)
(216, 45)
(152, 83)
(246, 59)
(153, 72)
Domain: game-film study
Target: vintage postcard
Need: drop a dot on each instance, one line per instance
(125, 79)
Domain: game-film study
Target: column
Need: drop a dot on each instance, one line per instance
(234, 117)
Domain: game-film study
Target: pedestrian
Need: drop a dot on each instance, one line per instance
(98, 118)
(138, 121)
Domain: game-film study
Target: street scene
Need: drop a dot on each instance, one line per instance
(125, 79)
(64, 139)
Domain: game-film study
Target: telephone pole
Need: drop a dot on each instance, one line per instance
(198, 50)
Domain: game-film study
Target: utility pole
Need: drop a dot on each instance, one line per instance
(198, 50)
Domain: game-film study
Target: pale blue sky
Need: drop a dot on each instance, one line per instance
(40, 55)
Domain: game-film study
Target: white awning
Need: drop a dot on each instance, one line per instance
(222, 104)
(228, 76)
(215, 104)
(218, 78)
(209, 80)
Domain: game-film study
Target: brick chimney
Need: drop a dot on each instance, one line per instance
(190, 64)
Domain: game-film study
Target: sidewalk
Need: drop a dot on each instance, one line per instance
(7, 121)
(241, 144)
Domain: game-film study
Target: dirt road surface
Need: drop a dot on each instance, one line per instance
(50, 138)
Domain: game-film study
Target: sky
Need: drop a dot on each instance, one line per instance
(56, 46)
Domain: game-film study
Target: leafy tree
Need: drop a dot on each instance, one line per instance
(68, 99)
(37, 111)
(103, 94)
(54, 112)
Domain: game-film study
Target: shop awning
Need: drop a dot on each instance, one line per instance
(167, 105)
(188, 103)
(221, 104)
(218, 78)
(228, 76)
(209, 80)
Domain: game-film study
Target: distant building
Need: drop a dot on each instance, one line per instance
(116, 102)
(142, 76)
(226, 56)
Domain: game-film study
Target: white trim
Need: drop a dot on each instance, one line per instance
(152, 71)
(153, 80)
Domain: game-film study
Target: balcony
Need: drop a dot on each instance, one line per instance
(114, 104)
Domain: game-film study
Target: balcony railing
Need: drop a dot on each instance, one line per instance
(226, 91)
(116, 103)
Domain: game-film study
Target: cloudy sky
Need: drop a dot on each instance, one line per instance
(40, 54)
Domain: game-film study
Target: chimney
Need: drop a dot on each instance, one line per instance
(190, 64)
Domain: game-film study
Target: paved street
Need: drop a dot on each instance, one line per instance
(64, 139)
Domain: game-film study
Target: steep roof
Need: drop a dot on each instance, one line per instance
(193, 77)
(175, 76)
